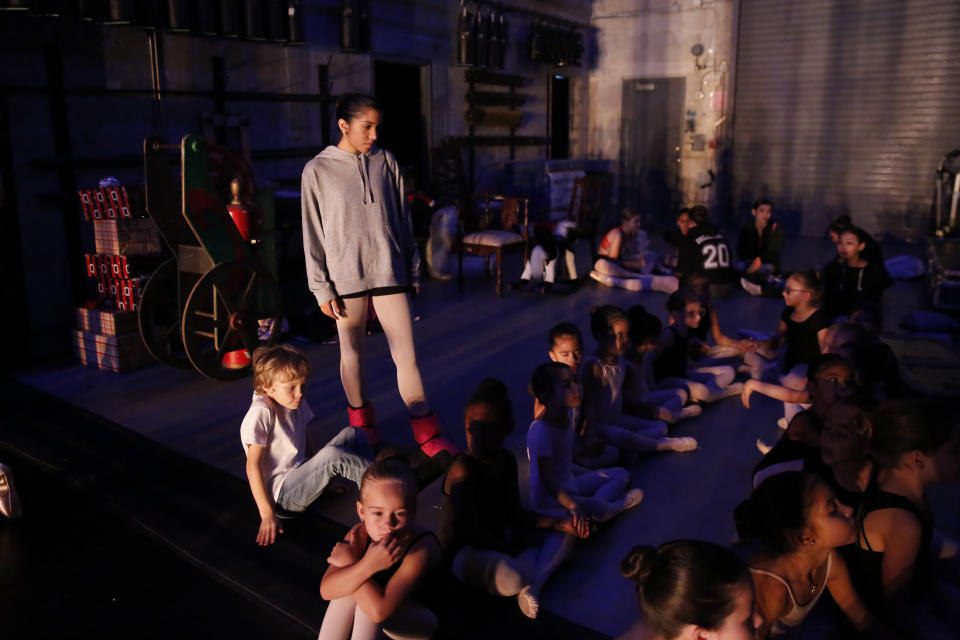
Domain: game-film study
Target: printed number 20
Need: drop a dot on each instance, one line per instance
(716, 256)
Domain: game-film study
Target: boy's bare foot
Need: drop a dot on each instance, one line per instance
(763, 447)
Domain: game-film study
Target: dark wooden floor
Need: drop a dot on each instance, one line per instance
(462, 338)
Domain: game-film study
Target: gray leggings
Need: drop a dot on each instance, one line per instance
(344, 620)
(393, 311)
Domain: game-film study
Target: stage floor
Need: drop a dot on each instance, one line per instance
(462, 338)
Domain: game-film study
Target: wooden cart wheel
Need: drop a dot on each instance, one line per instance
(159, 316)
(223, 314)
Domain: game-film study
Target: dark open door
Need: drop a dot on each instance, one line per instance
(399, 90)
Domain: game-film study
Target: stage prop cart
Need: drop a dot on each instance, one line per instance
(213, 302)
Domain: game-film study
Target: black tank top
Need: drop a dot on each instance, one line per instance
(672, 362)
(383, 577)
(866, 574)
(492, 497)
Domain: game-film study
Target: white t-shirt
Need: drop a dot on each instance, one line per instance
(545, 441)
(282, 431)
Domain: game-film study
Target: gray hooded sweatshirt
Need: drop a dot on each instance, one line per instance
(357, 231)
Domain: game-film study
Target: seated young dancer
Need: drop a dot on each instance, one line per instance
(803, 329)
(284, 476)
(623, 261)
(555, 490)
(589, 450)
(854, 278)
(800, 522)
(491, 540)
(708, 253)
(540, 270)
(877, 368)
(914, 443)
(666, 365)
(844, 447)
(691, 590)
(681, 260)
(382, 563)
(829, 378)
(603, 378)
(872, 252)
(758, 251)
(724, 346)
(669, 405)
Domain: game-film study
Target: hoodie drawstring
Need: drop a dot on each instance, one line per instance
(364, 178)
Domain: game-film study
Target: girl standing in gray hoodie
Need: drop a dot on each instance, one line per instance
(359, 246)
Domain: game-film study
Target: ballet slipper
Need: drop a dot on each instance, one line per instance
(528, 601)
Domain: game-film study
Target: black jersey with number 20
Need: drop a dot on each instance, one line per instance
(713, 254)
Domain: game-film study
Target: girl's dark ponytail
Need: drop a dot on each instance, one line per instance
(777, 511)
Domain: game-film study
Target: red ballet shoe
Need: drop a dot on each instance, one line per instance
(426, 431)
(365, 418)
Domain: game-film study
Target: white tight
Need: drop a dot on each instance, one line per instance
(344, 620)
(706, 384)
(540, 267)
(617, 276)
(502, 575)
(393, 311)
(602, 494)
(627, 440)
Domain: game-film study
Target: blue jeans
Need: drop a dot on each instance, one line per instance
(347, 455)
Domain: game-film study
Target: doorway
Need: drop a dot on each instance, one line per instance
(559, 117)
(650, 141)
(399, 88)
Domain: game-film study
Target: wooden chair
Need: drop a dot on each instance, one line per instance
(488, 227)
(586, 202)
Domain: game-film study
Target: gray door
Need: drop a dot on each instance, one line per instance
(650, 130)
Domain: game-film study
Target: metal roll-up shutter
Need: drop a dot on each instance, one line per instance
(845, 107)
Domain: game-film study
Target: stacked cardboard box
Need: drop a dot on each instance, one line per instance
(109, 339)
(128, 249)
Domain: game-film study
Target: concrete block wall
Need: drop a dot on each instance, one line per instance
(653, 38)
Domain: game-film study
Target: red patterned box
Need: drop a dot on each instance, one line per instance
(110, 203)
(113, 352)
(121, 293)
(136, 236)
(106, 321)
(125, 267)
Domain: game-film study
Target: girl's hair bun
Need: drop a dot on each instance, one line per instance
(392, 455)
(638, 563)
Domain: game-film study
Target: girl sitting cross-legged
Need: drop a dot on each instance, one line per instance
(603, 385)
(555, 489)
(493, 542)
(666, 365)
